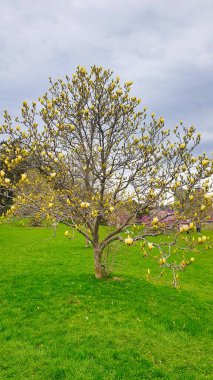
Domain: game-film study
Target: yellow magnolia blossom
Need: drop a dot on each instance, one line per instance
(205, 162)
(23, 177)
(202, 239)
(155, 220)
(184, 228)
(128, 240)
(182, 146)
(150, 245)
(203, 207)
(2, 173)
(66, 233)
(52, 175)
(162, 261)
(85, 204)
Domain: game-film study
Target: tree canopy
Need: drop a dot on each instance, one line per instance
(101, 152)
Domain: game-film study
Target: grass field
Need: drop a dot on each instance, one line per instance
(58, 322)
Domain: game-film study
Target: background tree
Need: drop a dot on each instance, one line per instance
(20, 164)
(90, 139)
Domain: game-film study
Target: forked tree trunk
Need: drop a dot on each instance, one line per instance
(99, 268)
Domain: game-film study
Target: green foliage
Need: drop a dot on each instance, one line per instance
(59, 322)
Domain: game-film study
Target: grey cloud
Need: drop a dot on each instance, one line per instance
(164, 46)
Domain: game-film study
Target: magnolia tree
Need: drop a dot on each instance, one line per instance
(89, 138)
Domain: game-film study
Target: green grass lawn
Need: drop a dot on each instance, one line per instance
(58, 322)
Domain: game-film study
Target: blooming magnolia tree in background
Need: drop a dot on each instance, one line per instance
(99, 155)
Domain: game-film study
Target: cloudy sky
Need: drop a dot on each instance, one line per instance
(164, 46)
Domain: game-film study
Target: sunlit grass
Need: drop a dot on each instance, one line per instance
(59, 322)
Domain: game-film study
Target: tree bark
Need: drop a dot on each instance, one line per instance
(99, 268)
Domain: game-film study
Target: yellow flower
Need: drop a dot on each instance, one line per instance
(128, 240)
(203, 207)
(192, 259)
(52, 175)
(7, 180)
(182, 146)
(60, 155)
(100, 148)
(2, 173)
(205, 162)
(185, 227)
(191, 197)
(66, 233)
(150, 245)
(155, 220)
(72, 127)
(23, 177)
(85, 204)
(204, 238)
(111, 209)
(162, 261)
(50, 205)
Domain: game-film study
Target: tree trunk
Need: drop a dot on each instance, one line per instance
(99, 268)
